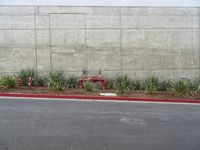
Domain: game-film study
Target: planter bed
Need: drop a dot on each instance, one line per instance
(136, 94)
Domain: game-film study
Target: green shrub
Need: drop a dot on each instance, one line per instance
(8, 81)
(72, 82)
(164, 85)
(56, 80)
(143, 86)
(24, 75)
(110, 84)
(122, 85)
(98, 85)
(151, 84)
(198, 89)
(136, 85)
(182, 87)
(195, 86)
(40, 81)
(88, 86)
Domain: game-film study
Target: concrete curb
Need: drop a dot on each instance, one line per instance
(84, 97)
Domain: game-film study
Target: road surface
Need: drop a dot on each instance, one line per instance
(27, 124)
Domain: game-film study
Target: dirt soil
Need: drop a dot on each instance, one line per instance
(141, 94)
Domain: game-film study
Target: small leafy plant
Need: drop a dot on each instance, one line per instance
(40, 81)
(88, 86)
(24, 75)
(56, 80)
(7, 81)
(135, 85)
(98, 85)
(195, 86)
(72, 82)
(164, 85)
(122, 85)
(182, 87)
(198, 89)
(151, 84)
(110, 84)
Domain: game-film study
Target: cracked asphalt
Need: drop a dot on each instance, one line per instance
(27, 124)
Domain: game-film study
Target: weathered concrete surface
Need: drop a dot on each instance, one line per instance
(138, 41)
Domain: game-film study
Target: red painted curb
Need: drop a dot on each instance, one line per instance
(82, 97)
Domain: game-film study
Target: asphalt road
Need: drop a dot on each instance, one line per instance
(72, 125)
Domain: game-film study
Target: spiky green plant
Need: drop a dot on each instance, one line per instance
(7, 81)
(182, 87)
(195, 86)
(164, 85)
(72, 81)
(40, 80)
(98, 85)
(136, 85)
(122, 85)
(88, 86)
(56, 80)
(110, 84)
(24, 75)
(198, 89)
(151, 84)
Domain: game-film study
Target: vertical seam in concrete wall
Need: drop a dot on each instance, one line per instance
(120, 38)
(199, 42)
(35, 32)
(50, 42)
(173, 68)
(86, 51)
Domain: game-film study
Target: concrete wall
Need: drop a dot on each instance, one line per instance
(138, 41)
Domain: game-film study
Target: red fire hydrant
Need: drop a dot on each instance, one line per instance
(19, 84)
(30, 82)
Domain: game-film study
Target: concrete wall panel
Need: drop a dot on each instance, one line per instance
(67, 37)
(186, 39)
(68, 61)
(155, 22)
(187, 22)
(159, 39)
(17, 58)
(189, 73)
(111, 74)
(16, 22)
(22, 38)
(43, 38)
(5, 40)
(54, 9)
(147, 61)
(3, 54)
(133, 38)
(17, 10)
(160, 11)
(17, 38)
(164, 74)
(103, 37)
(186, 61)
(43, 59)
(67, 21)
(103, 17)
(151, 39)
(42, 22)
(103, 61)
(138, 41)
